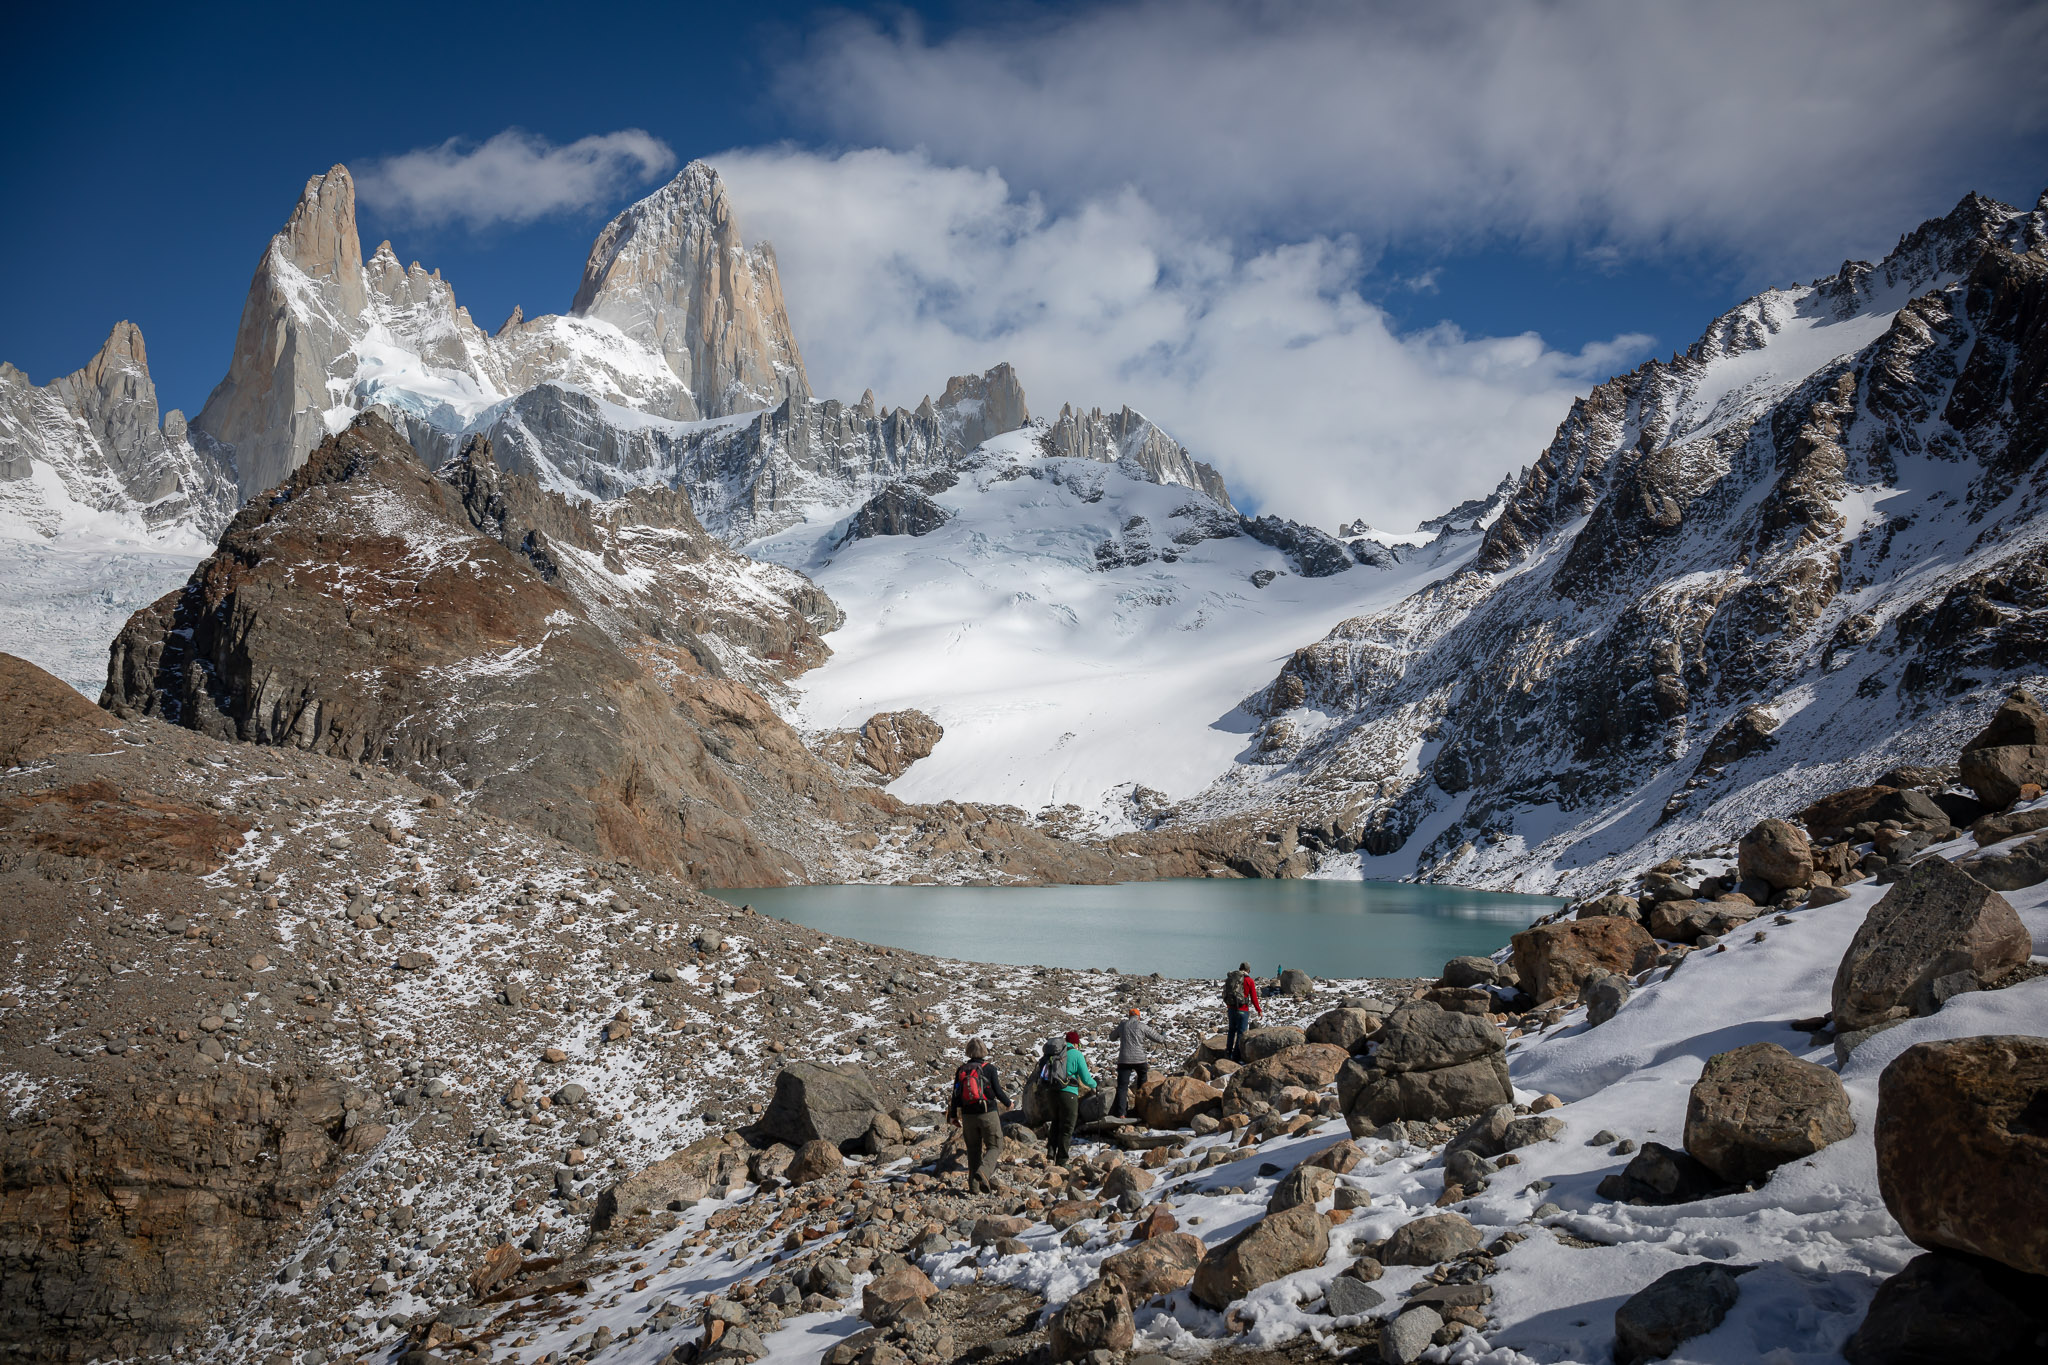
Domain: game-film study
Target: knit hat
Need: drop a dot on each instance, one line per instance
(977, 1049)
(1073, 1037)
(1134, 1011)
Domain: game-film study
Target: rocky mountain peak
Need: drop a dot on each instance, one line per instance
(674, 273)
(977, 407)
(320, 237)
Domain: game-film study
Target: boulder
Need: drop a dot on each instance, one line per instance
(814, 1161)
(1158, 1265)
(1431, 1064)
(1303, 1185)
(1553, 960)
(1294, 982)
(1403, 1340)
(1935, 922)
(1127, 1180)
(2023, 865)
(708, 1166)
(1609, 907)
(1340, 1157)
(1096, 1319)
(2019, 720)
(1660, 1175)
(1470, 971)
(1675, 1307)
(771, 1163)
(1348, 1298)
(1529, 1130)
(1776, 851)
(1348, 1028)
(1944, 1307)
(993, 1228)
(1430, 1241)
(1833, 816)
(897, 1295)
(812, 1101)
(1278, 1244)
(1264, 1042)
(1997, 774)
(1757, 1107)
(1173, 1101)
(1962, 1147)
(1993, 829)
(1604, 996)
(1310, 1066)
(1485, 1134)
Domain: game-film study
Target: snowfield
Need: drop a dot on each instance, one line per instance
(1058, 680)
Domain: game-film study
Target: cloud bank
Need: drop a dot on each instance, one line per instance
(515, 177)
(900, 271)
(1766, 130)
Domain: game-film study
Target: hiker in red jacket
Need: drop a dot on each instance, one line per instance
(977, 1109)
(1240, 998)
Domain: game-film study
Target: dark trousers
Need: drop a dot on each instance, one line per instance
(1129, 1076)
(1066, 1112)
(984, 1136)
(1238, 1021)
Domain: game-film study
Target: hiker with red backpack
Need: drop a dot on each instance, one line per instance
(1240, 999)
(977, 1111)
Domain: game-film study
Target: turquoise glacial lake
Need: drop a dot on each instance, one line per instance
(1190, 928)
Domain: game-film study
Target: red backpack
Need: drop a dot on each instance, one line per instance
(967, 1086)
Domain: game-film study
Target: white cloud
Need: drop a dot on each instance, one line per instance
(1778, 133)
(515, 177)
(900, 272)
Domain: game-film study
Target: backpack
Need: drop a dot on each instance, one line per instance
(1233, 991)
(967, 1086)
(1052, 1067)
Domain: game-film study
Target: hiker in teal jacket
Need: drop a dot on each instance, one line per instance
(1067, 1101)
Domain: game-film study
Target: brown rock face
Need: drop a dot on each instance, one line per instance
(1758, 1107)
(121, 1224)
(1554, 960)
(1778, 852)
(1936, 922)
(1278, 1244)
(888, 744)
(44, 717)
(367, 567)
(1159, 1265)
(1309, 1065)
(1173, 1101)
(115, 829)
(1962, 1147)
(1997, 774)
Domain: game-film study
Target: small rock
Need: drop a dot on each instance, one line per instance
(1430, 1241)
(1403, 1340)
(1673, 1308)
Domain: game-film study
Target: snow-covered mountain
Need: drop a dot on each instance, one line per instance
(1083, 629)
(104, 506)
(1819, 532)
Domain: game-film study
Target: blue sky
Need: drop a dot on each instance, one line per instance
(1298, 235)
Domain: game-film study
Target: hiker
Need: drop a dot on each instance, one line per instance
(977, 1111)
(1133, 1065)
(1066, 1074)
(1240, 998)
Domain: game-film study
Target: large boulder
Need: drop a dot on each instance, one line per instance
(1997, 775)
(1431, 1063)
(1554, 960)
(2023, 865)
(1264, 1042)
(1303, 1185)
(1757, 1107)
(1778, 852)
(1278, 1244)
(710, 1166)
(1836, 814)
(812, 1101)
(1346, 1027)
(1675, 1307)
(1096, 1319)
(2018, 721)
(1310, 1066)
(1430, 1241)
(897, 1295)
(1660, 1175)
(1470, 971)
(1158, 1265)
(1962, 1147)
(1944, 1308)
(1937, 924)
(1173, 1101)
(814, 1161)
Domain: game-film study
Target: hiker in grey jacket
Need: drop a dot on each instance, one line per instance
(1133, 1064)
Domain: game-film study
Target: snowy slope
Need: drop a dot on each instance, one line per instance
(1059, 680)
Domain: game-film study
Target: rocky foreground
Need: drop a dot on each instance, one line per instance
(304, 1063)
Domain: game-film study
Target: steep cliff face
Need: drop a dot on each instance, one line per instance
(673, 273)
(1821, 524)
(675, 318)
(90, 448)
